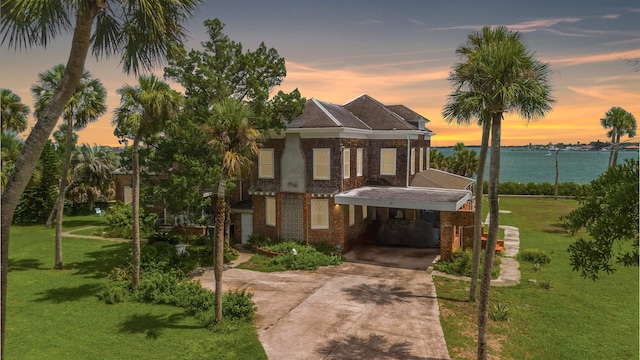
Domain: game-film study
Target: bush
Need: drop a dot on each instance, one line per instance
(499, 312)
(534, 256)
(115, 292)
(169, 238)
(119, 219)
(461, 264)
(237, 305)
(259, 240)
(306, 258)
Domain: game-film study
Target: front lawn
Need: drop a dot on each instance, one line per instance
(56, 315)
(574, 319)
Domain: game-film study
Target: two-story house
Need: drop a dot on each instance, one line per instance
(357, 172)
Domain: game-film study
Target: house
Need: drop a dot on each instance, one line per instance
(353, 173)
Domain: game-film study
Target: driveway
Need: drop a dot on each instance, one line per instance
(358, 310)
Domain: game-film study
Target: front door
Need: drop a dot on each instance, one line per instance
(247, 227)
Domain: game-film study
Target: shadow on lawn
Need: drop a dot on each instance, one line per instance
(380, 294)
(77, 223)
(373, 347)
(24, 264)
(100, 263)
(67, 294)
(152, 325)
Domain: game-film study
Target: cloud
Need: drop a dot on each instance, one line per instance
(526, 26)
(611, 16)
(594, 58)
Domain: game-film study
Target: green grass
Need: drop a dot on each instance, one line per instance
(55, 314)
(575, 319)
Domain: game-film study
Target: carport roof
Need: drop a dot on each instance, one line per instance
(422, 198)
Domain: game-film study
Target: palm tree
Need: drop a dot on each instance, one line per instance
(498, 75)
(464, 161)
(92, 174)
(236, 140)
(14, 112)
(141, 32)
(144, 111)
(621, 122)
(86, 105)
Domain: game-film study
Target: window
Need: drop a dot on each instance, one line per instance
(346, 163)
(321, 164)
(387, 161)
(359, 162)
(128, 194)
(270, 211)
(352, 214)
(413, 161)
(365, 212)
(319, 213)
(265, 164)
(421, 159)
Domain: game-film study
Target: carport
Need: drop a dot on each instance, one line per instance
(419, 216)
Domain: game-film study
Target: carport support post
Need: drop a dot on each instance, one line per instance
(447, 243)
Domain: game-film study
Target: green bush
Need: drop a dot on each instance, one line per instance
(119, 219)
(115, 292)
(534, 256)
(237, 305)
(230, 254)
(461, 264)
(545, 188)
(499, 312)
(259, 240)
(306, 257)
(169, 238)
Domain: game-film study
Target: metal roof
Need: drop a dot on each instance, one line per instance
(421, 198)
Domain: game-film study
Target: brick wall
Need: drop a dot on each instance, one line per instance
(373, 162)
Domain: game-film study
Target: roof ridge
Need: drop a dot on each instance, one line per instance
(326, 112)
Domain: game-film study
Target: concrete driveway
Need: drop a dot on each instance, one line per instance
(355, 311)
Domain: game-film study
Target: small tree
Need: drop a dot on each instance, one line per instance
(609, 213)
(621, 122)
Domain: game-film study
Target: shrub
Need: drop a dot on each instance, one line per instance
(306, 257)
(237, 305)
(115, 292)
(230, 254)
(499, 312)
(259, 240)
(545, 284)
(119, 219)
(461, 264)
(169, 238)
(534, 256)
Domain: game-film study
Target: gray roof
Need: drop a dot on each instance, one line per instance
(433, 178)
(320, 114)
(376, 115)
(405, 197)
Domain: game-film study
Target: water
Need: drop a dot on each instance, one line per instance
(523, 166)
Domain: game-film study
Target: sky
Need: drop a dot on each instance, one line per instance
(401, 52)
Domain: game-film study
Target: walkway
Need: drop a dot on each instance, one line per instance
(355, 311)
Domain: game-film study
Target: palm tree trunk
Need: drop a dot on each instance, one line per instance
(227, 226)
(557, 176)
(135, 194)
(614, 160)
(492, 237)
(219, 246)
(52, 214)
(477, 218)
(613, 146)
(61, 193)
(37, 139)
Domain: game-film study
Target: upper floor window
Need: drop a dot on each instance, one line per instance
(365, 212)
(387, 161)
(359, 161)
(413, 161)
(321, 164)
(265, 164)
(270, 211)
(421, 159)
(319, 213)
(346, 163)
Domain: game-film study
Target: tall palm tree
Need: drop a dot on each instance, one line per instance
(86, 105)
(14, 112)
(144, 111)
(464, 161)
(621, 122)
(236, 140)
(92, 173)
(140, 32)
(498, 75)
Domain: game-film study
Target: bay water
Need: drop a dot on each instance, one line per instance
(523, 166)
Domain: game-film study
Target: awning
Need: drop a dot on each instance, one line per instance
(422, 198)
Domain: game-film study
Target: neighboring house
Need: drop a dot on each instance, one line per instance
(356, 173)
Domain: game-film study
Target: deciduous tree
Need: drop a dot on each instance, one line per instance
(609, 213)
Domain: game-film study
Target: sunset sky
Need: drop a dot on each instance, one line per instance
(400, 52)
